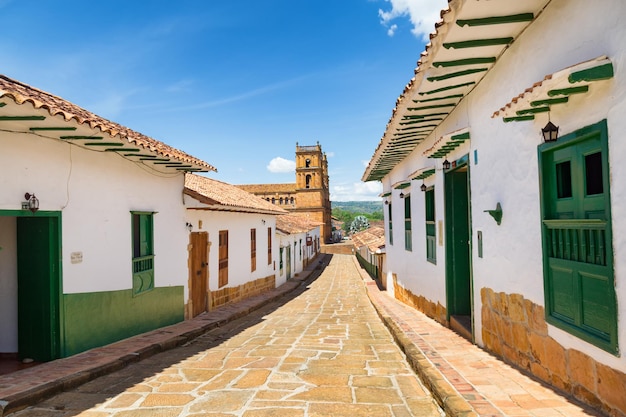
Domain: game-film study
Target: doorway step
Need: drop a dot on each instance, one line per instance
(462, 325)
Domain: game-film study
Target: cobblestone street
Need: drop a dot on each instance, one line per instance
(324, 352)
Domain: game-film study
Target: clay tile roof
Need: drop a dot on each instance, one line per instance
(295, 223)
(373, 238)
(268, 188)
(221, 196)
(22, 93)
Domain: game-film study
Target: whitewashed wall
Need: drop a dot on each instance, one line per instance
(567, 33)
(238, 226)
(95, 192)
(297, 261)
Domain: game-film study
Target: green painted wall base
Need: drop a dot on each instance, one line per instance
(99, 318)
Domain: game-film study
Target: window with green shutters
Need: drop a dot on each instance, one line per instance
(431, 247)
(408, 238)
(143, 252)
(577, 238)
(390, 226)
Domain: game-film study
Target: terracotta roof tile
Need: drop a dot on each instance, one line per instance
(222, 196)
(295, 223)
(373, 238)
(268, 188)
(22, 93)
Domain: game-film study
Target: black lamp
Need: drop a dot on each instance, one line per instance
(446, 164)
(401, 195)
(33, 202)
(550, 132)
(423, 186)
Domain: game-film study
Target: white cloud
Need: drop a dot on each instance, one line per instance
(423, 15)
(358, 191)
(281, 165)
(392, 30)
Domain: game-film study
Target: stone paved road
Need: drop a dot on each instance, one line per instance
(323, 353)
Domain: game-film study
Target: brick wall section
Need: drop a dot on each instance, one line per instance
(515, 329)
(418, 302)
(229, 295)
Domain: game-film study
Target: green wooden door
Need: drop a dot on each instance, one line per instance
(38, 288)
(288, 260)
(458, 285)
(578, 253)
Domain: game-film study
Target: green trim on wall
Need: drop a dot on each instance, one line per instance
(99, 318)
(20, 118)
(52, 128)
(457, 74)
(450, 87)
(466, 61)
(602, 72)
(477, 43)
(496, 20)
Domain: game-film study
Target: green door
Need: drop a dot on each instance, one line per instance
(458, 277)
(288, 260)
(577, 244)
(38, 288)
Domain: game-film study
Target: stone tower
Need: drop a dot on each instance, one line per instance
(312, 187)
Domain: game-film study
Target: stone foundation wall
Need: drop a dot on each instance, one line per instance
(418, 302)
(233, 294)
(515, 329)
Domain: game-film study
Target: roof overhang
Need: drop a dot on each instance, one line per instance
(30, 112)
(557, 88)
(468, 41)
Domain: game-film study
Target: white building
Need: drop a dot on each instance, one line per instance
(232, 246)
(369, 246)
(299, 243)
(519, 244)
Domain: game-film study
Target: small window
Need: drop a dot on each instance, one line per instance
(408, 236)
(252, 250)
(273, 200)
(390, 226)
(280, 262)
(308, 181)
(431, 248)
(143, 252)
(307, 163)
(593, 174)
(280, 201)
(269, 245)
(564, 179)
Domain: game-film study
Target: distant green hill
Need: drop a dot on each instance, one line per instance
(368, 207)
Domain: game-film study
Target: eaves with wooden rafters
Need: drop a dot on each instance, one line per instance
(468, 40)
(30, 111)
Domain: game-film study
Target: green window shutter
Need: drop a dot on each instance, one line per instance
(408, 238)
(431, 247)
(390, 226)
(143, 252)
(577, 236)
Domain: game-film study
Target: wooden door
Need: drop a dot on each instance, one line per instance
(38, 264)
(199, 272)
(458, 277)
(223, 259)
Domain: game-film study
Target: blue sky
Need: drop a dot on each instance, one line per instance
(235, 83)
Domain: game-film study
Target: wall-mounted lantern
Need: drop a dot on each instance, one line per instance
(401, 195)
(550, 132)
(446, 164)
(189, 226)
(423, 186)
(32, 202)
